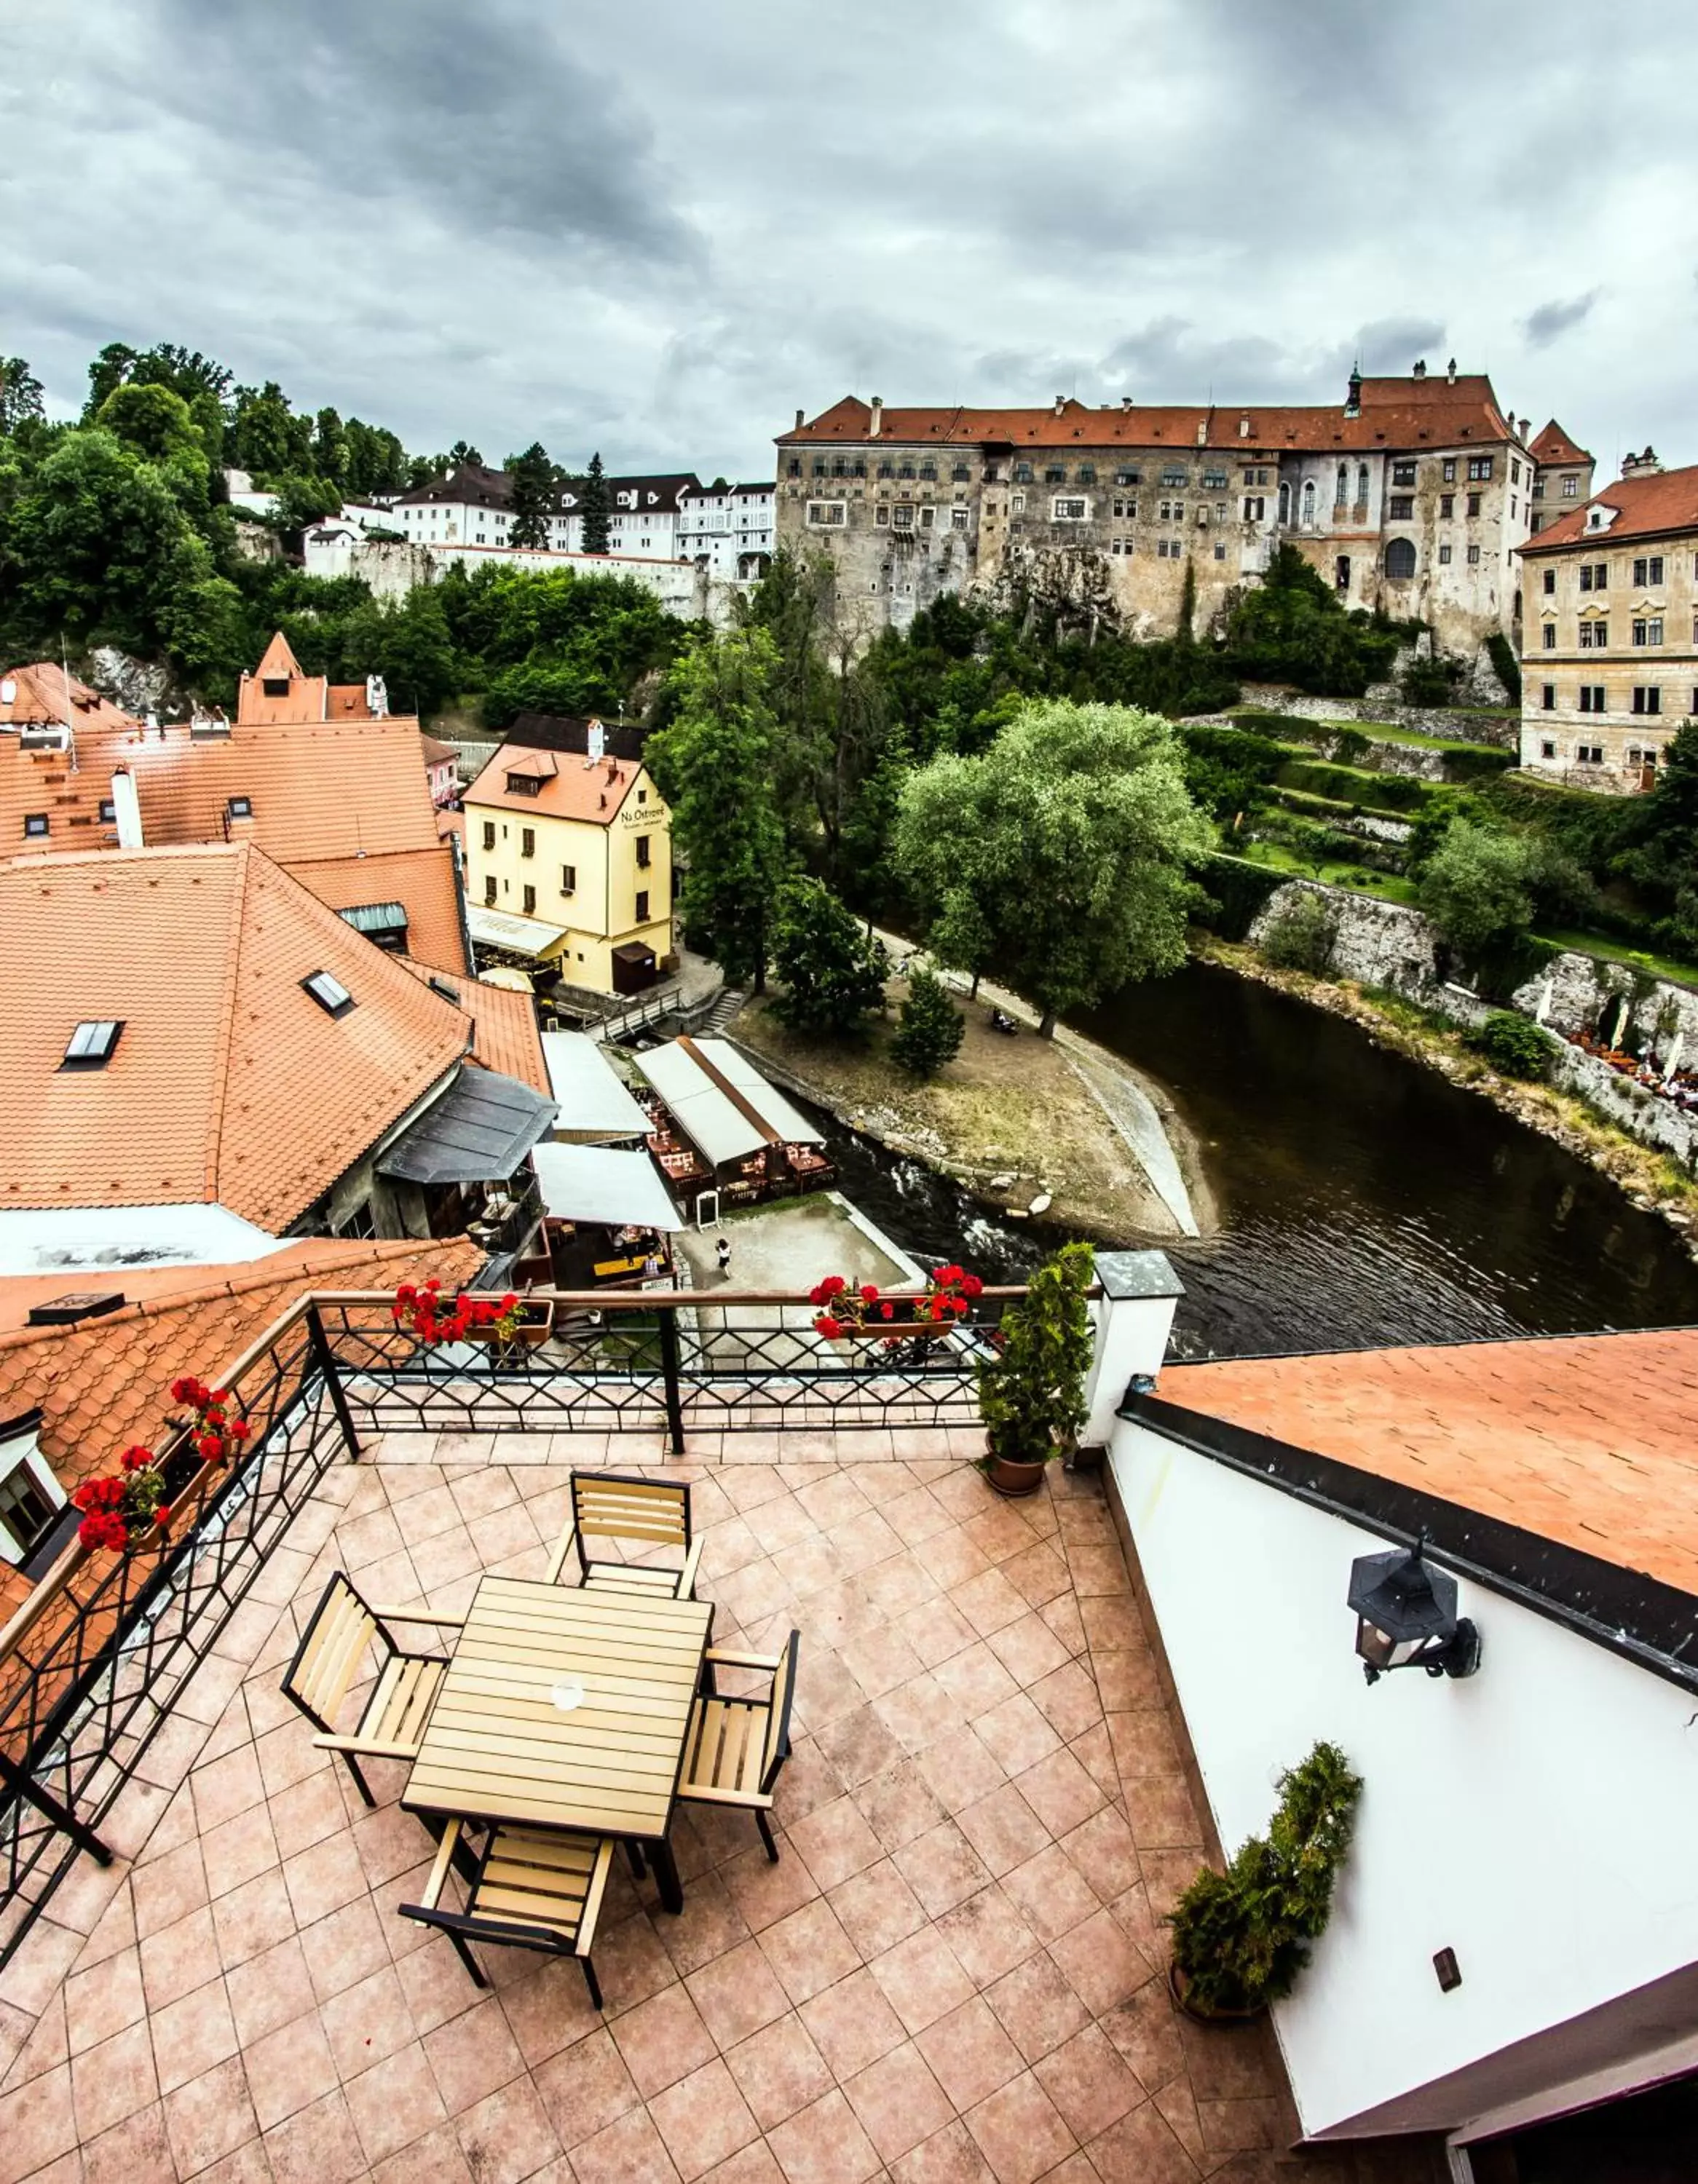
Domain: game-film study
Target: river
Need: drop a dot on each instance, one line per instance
(1361, 1199)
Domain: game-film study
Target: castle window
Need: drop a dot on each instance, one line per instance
(1474, 557)
(1088, 473)
(1447, 504)
(1176, 474)
(1023, 474)
(1055, 475)
(1594, 636)
(1549, 636)
(1403, 473)
(1550, 697)
(1479, 467)
(1474, 504)
(1064, 510)
(904, 469)
(1570, 486)
(1400, 559)
(1126, 478)
(1549, 582)
(1648, 631)
(928, 471)
(1341, 497)
(958, 519)
(1647, 697)
(1309, 500)
(1215, 481)
(886, 469)
(882, 516)
(1445, 557)
(828, 514)
(1447, 470)
(1647, 570)
(1402, 508)
(904, 518)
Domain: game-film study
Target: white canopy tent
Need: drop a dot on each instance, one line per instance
(601, 1187)
(593, 1100)
(721, 1101)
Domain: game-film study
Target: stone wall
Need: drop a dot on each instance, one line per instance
(1382, 703)
(1630, 1106)
(1584, 993)
(1378, 943)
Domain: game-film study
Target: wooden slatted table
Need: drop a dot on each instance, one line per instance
(499, 1749)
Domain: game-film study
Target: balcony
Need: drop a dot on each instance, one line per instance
(955, 1971)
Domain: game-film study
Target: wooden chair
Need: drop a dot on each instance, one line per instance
(534, 1889)
(326, 1665)
(735, 1749)
(610, 1505)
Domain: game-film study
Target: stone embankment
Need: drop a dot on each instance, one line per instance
(1456, 724)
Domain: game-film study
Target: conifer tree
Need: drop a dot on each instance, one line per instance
(929, 1027)
(597, 507)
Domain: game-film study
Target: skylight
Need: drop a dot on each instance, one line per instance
(441, 986)
(240, 807)
(331, 994)
(92, 1044)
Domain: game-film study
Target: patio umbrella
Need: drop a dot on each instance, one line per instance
(1545, 1002)
(1621, 1022)
(1671, 1061)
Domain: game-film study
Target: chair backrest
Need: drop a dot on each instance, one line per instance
(327, 1659)
(614, 1505)
(777, 1722)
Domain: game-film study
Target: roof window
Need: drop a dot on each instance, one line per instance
(240, 807)
(331, 994)
(447, 992)
(91, 1045)
(274, 686)
(35, 825)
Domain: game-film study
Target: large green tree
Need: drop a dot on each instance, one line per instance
(532, 476)
(595, 506)
(1071, 835)
(832, 970)
(1476, 887)
(20, 395)
(714, 765)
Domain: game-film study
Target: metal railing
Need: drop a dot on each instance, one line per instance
(93, 1663)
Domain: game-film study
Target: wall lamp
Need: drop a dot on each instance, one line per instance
(1406, 1616)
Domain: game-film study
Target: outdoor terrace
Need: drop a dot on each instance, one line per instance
(954, 1972)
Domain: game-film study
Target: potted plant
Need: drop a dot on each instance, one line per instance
(509, 1323)
(1241, 1937)
(1032, 1389)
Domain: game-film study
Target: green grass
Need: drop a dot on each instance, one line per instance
(1617, 952)
(1309, 804)
(1383, 887)
(1384, 731)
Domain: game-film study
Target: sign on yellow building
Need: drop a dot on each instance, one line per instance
(568, 857)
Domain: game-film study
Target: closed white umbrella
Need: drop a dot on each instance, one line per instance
(1671, 1059)
(1544, 1001)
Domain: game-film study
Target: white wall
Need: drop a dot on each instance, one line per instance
(1536, 1818)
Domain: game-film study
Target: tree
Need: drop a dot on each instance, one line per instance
(532, 476)
(329, 447)
(832, 970)
(1292, 629)
(154, 421)
(929, 1027)
(20, 395)
(595, 505)
(462, 451)
(1475, 887)
(961, 937)
(714, 765)
(1071, 834)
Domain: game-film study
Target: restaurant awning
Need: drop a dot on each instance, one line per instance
(593, 1101)
(603, 1186)
(479, 1131)
(519, 936)
(721, 1101)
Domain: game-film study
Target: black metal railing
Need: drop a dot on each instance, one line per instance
(92, 1666)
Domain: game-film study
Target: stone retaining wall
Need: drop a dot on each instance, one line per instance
(1584, 993)
(1630, 1106)
(1503, 731)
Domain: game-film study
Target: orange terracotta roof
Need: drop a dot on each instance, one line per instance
(505, 1033)
(1646, 507)
(435, 751)
(1585, 1440)
(1393, 413)
(420, 880)
(305, 699)
(348, 701)
(1554, 445)
(230, 1084)
(572, 788)
(43, 692)
(105, 1384)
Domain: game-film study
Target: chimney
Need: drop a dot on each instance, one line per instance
(878, 423)
(126, 809)
(1203, 431)
(1420, 371)
(1244, 428)
(1126, 401)
(1060, 403)
(798, 421)
(1450, 371)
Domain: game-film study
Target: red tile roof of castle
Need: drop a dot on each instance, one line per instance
(1586, 1439)
(1393, 413)
(1554, 445)
(43, 694)
(1649, 506)
(104, 1384)
(229, 1084)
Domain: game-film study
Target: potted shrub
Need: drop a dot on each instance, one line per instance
(1241, 1937)
(1032, 1389)
(507, 1323)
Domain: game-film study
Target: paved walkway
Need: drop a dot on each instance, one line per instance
(954, 1974)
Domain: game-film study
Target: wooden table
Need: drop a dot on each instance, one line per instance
(499, 1749)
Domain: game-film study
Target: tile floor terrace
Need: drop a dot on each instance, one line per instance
(955, 1972)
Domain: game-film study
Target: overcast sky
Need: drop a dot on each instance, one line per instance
(657, 228)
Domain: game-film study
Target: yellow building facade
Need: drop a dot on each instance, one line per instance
(568, 859)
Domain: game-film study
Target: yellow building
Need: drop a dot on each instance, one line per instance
(1610, 620)
(568, 858)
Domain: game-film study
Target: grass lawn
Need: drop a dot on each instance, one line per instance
(1384, 887)
(1617, 952)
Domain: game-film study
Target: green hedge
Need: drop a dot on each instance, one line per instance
(1476, 760)
(1238, 892)
(1394, 794)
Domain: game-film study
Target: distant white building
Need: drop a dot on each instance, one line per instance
(727, 529)
(473, 506)
(239, 486)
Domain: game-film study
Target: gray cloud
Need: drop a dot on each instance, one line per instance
(659, 232)
(1552, 321)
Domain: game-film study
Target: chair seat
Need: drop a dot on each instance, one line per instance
(398, 1708)
(725, 1751)
(553, 1882)
(632, 1577)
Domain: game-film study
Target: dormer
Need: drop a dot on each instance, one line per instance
(1599, 518)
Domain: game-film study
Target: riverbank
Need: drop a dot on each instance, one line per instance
(1013, 1120)
(1650, 1179)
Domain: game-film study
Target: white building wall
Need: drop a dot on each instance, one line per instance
(1536, 1818)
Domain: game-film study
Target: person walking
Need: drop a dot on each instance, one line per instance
(722, 1251)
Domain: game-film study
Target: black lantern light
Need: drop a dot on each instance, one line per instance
(1406, 1616)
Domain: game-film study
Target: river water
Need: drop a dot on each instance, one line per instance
(1361, 1199)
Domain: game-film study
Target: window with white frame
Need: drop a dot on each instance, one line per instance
(1066, 510)
(1648, 629)
(31, 1497)
(902, 516)
(958, 518)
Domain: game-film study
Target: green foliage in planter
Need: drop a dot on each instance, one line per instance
(1241, 1937)
(1031, 1393)
(1300, 935)
(1514, 1046)
(1432, 681)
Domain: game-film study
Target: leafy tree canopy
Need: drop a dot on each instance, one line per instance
(930, 1028)
(832, 971)
(1476, 888)
(1071, 835)
(20, 395)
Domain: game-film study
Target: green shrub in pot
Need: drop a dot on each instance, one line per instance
(1032, 1389)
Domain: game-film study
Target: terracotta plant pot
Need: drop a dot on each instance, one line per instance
(1178, 1986)
(1010, 1478)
